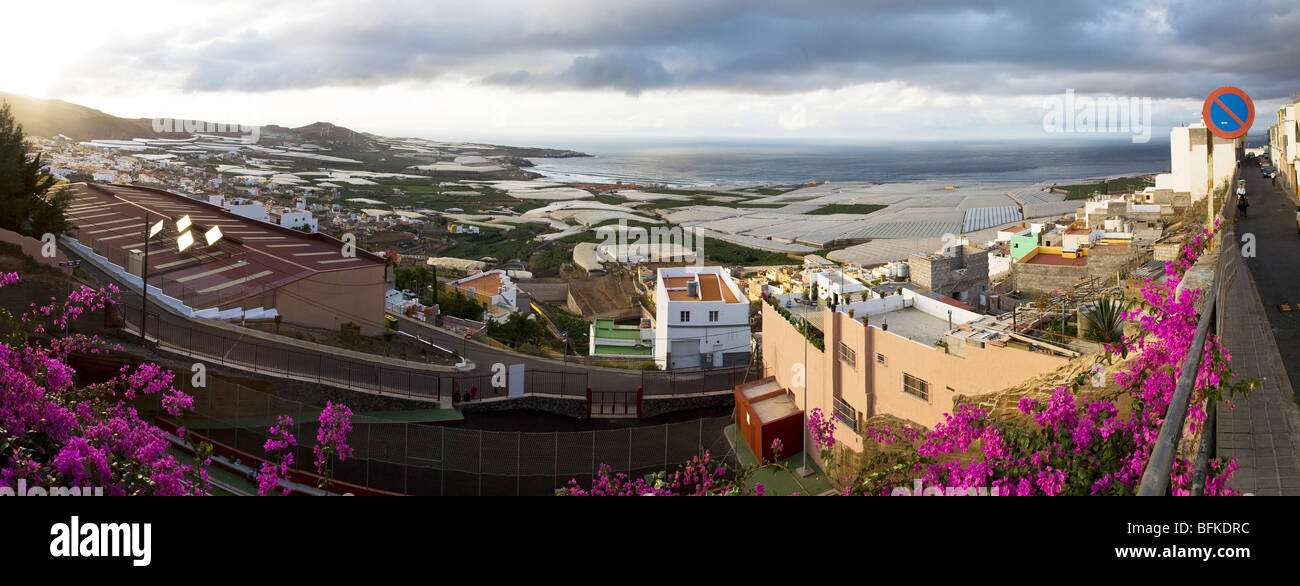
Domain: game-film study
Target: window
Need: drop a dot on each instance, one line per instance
(846, 414)
(686, 316)
(916, 387)
(846, 354)
(880, 358)
(713, 316)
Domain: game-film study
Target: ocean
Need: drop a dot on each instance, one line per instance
(698, 163)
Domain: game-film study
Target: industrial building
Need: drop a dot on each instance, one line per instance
(254, 270)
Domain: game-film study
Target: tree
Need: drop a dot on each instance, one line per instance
(1106, 323)
(24, 205)
(517, 330)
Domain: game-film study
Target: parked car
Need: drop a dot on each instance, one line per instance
(1267, 172)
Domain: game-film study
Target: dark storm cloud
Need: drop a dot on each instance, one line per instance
(627, 73)
(1153, 48)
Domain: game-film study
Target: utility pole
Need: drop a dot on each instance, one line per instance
(144, 279)
(804, 470)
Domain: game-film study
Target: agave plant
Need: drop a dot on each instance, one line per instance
(1107, 319)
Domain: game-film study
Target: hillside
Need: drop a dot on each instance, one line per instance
(51, 117)
(42, 117)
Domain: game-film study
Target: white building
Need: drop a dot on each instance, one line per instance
(497, 291)
(1284, 147)
(247, 208)
(1199, 161)
(831, 283)
(701, 319)
(293, 218)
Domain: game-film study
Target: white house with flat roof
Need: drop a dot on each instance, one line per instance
(701, 319)
(1199, 161)
(832, 283)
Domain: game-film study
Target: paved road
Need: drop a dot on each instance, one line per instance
(1276, 264)
(544, 374)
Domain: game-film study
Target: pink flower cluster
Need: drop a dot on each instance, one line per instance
(279, 457)
(700, 476)
(58, 434)
(332, 436)
(1076, 446)
(822, 429)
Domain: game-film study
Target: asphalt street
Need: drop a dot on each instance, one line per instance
(1276, 264)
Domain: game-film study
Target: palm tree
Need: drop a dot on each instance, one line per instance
(1106, 322)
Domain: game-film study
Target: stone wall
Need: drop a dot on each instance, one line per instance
(1104, 262)
(1033, 279)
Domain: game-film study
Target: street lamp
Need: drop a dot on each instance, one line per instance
(804, 470)
(183, 242)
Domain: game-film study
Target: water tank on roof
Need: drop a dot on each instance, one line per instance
(693, 288)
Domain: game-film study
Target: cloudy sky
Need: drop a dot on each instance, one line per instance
(861, 70)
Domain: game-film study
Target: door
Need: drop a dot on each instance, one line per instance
(684, 354)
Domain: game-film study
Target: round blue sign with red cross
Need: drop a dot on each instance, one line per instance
(1228, 112)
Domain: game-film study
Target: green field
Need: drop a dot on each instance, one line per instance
(856, 208)
(1121, 185)
(499, 244)
(724, 252)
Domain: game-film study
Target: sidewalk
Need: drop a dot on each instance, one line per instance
(1263, 431)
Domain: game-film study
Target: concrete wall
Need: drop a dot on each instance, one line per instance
(32, 247)
(330, 299)
(1045, 279)
(1105, 261)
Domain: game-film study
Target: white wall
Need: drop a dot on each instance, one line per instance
(940, 309)
(730, 333)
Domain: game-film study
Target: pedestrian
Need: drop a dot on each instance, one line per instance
(1242, 204)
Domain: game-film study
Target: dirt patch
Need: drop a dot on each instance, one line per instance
(612, 295)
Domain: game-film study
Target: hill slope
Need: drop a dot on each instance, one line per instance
(50, 117)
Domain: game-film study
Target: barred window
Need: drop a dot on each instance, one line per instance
(916, 387)
(846, 414)
(880, 358)
(846, 354)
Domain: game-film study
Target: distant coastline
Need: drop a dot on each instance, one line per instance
(771, 164)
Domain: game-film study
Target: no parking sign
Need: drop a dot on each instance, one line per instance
(1228, 112)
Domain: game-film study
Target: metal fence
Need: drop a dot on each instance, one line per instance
(426, 459)
(325, 366)
(1155, 478)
